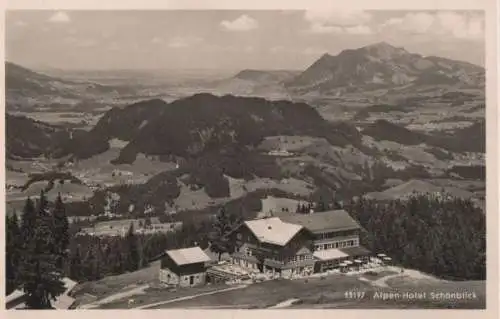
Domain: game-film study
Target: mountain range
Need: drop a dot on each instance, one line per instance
(382, 65)
(221, 141)
(373, 67)
(27, 88)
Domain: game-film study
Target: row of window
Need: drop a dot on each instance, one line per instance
(249, 252)
(335, 234)
(339, 244)
(300, 258)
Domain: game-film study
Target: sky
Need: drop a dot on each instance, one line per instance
(227, 39)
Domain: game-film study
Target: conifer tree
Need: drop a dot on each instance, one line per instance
(12, 252)
(133, 254)
(75, 265)
(89, 269)
(39, 276)
(28, 221)
(219, 243)
(61, 231)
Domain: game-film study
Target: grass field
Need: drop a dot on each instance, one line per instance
(270, 293)
(330, 293)
(113, 284)
(152, 295)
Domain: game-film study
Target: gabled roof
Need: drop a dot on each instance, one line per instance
(273, 230)
(187, 256)
(333, 220)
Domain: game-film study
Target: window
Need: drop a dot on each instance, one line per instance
(325, 246)
(336, 245)
(301, 257)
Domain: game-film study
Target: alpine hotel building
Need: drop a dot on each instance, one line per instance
(297, 244)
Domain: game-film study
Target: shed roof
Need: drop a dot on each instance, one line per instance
(273, 230)
(333, 220)
(185, 256)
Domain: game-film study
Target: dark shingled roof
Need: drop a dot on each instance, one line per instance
(334, 220)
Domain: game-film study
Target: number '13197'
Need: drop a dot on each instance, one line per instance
(354, 294)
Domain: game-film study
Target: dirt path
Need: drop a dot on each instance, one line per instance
(382, 282)
(408, 273)
(188, 297)
(284, 304)
(118, 296)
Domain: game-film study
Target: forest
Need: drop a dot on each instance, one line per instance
(436, 234)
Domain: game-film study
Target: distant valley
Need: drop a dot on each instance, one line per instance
(363, 122)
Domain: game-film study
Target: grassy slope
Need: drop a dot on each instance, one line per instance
(329, 293)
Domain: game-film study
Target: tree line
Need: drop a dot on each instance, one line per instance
(439, 235)
(436, 234)
(36, 252)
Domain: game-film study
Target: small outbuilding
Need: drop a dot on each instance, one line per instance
(185, 267)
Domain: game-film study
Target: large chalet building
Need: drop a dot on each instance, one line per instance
(335, 236)
(297, 244)
(270, 245)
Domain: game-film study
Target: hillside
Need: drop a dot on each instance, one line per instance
(266, 75)
(26, 138)
(382, 65)
(412, 187)
(26, 88)
(204, 151)
(256, 83)
(469, 139)
(205, 123)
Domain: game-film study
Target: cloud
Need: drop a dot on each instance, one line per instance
(319, 28)
(337, 17)
(338, 21)
(183, 42)
(156, 40)
(60, 17)
(277, 49)
(80, 43)
(359, 29)
(113, 46)
(249, 49)
(314, 51)
(444, 23)
(20, 23)
(242, 23)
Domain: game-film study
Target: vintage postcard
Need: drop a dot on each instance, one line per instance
(240, 157)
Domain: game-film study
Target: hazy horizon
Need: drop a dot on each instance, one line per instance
(228, 40)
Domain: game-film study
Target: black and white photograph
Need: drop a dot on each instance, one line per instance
(245, 159)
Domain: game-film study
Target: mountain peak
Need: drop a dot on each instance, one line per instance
(380, 45)
(384, 50)
(381, 65)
